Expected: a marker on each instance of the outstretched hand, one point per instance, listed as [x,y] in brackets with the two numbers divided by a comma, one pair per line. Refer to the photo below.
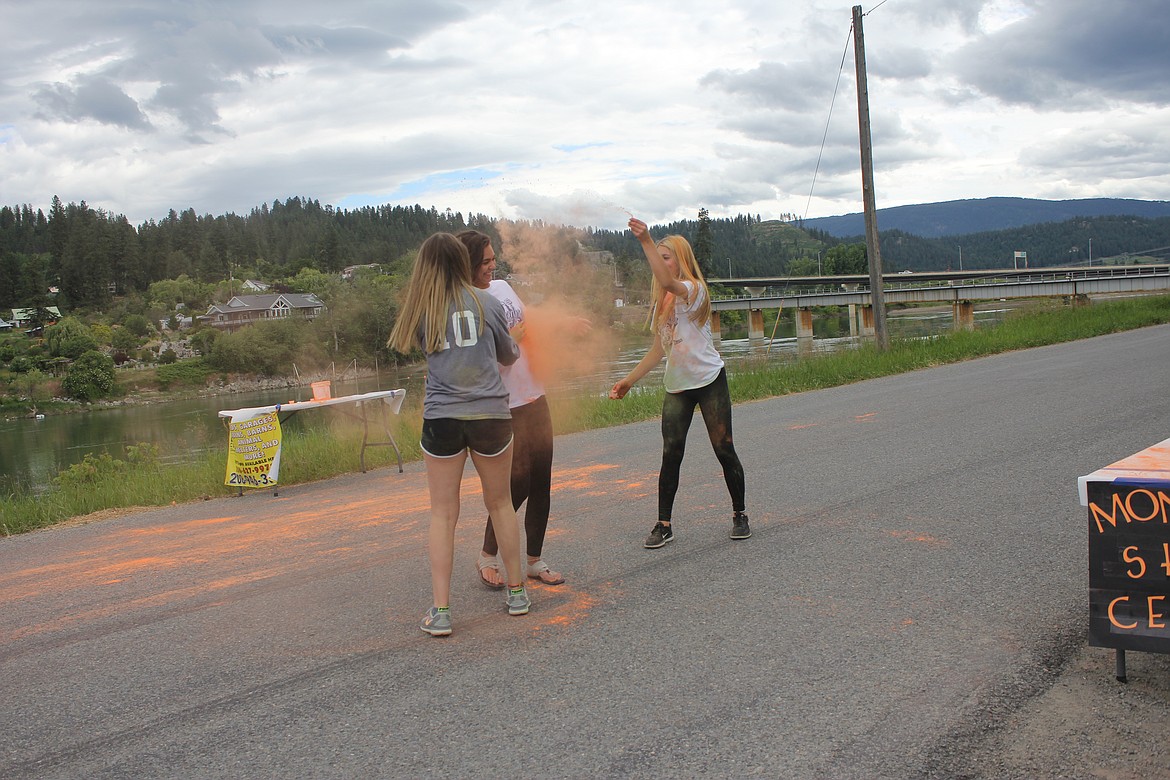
[619,390]
[638,228]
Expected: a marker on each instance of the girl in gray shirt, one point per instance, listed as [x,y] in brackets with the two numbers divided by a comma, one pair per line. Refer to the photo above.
[464,335]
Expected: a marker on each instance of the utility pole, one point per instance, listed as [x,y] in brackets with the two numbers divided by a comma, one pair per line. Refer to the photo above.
[872,245]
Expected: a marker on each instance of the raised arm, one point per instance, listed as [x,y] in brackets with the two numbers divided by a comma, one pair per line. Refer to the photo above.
[666,279]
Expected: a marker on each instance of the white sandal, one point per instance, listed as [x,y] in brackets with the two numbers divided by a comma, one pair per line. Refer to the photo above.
[539,570]
[483,562]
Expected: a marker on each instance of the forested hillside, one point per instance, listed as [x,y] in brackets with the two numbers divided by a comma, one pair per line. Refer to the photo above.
[1116,240]
[126,293]
[981,215]
[743,246]
[91,257]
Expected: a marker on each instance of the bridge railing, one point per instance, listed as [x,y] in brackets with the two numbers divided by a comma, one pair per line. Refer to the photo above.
[893,282]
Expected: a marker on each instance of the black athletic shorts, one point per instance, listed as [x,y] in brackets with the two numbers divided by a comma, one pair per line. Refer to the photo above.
[448,437]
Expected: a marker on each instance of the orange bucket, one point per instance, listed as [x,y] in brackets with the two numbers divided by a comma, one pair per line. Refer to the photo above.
[321,390]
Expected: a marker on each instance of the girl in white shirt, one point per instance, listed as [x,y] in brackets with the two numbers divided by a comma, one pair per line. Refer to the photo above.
[695,376]
[532,427]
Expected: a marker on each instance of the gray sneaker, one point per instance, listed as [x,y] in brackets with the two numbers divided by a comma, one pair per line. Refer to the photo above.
[739,526]
[659,537]
[437,623]
[518,601]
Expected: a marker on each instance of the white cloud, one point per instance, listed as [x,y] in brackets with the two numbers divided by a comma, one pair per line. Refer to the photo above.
[571,111]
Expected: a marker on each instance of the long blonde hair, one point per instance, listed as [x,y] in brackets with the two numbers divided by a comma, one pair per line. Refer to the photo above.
[688,271]
[441,274]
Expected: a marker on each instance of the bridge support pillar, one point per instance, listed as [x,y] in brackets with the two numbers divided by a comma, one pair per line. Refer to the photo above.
[755,324]
[715,332]
[804,325]
[853,320]
[804,331]
[964,313]
[865,322]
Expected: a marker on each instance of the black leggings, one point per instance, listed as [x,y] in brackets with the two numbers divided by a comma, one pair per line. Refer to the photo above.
[714,401]
[532,454]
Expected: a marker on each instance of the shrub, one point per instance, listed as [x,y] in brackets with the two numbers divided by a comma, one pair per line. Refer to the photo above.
[266,348]
[69,338]
[192,372]
[90,377]
[203,340]
[137,324]
[102,332]
[90,470]
[124,340]
[142,454]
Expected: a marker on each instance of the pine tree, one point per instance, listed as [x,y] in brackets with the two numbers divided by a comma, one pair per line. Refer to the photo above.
[704,244]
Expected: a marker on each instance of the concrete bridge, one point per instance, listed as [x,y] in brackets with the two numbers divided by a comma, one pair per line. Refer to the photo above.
[961,289]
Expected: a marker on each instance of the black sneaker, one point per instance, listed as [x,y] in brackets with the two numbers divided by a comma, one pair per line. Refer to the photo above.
[739,526]
[659,536]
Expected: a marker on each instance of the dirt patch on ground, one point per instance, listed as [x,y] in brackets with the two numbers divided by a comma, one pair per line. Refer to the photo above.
[1085,725]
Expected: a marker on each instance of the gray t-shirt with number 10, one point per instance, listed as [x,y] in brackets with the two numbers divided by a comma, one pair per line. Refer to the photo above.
[463,378]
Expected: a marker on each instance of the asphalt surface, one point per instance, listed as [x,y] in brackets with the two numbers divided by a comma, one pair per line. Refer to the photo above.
[913,599]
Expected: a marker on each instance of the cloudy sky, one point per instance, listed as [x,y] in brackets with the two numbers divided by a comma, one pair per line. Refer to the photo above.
[572,111]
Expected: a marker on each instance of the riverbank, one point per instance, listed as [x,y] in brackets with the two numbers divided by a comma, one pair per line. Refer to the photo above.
[140,393]
[142,385]
[103,483]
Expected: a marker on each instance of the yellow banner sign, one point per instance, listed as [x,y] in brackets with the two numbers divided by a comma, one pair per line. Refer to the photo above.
[254,451]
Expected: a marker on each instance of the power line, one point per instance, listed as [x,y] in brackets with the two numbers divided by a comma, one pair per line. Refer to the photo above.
[832,102]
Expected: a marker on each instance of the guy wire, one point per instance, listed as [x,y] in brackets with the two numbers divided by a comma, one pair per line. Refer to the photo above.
[832,102]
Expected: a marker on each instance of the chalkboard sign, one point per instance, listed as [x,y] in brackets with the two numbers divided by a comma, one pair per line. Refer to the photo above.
[1129,559]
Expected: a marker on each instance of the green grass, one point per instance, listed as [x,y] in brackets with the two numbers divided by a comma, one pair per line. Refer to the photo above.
[108,483]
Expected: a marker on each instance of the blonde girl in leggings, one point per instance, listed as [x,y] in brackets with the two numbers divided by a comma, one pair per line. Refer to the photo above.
[695,376]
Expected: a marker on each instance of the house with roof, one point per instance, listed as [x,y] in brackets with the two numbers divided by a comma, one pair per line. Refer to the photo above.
[253,286]
[244,310]
[4,325]
[24,317]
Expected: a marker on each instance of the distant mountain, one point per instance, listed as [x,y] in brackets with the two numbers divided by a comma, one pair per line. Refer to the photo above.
[961,217]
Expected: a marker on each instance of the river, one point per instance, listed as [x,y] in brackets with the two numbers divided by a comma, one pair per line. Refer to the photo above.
[34,451]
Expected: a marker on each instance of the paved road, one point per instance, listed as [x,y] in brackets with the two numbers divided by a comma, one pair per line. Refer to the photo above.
[916,581]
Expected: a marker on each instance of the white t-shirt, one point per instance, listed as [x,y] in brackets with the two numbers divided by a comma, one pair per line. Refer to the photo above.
[691,358]
[523,387]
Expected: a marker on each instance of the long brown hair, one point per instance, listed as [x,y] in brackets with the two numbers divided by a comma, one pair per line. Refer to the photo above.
[688,271]
[441,274]
[475,242]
